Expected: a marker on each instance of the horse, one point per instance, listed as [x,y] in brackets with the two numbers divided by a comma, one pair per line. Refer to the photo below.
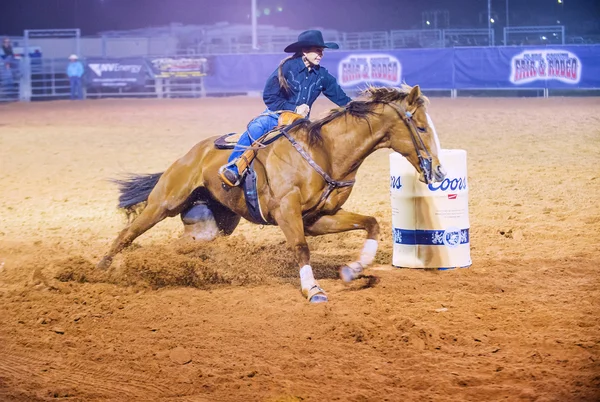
[302,180]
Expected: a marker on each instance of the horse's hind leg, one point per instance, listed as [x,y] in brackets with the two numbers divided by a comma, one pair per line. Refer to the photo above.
[206,219]
[344,221]
[150,216]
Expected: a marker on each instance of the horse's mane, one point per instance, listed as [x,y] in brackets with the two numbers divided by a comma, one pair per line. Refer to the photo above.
[360,109]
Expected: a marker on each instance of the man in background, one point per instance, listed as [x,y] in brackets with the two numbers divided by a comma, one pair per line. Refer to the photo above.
[75,72]
[7,87]
[7,50]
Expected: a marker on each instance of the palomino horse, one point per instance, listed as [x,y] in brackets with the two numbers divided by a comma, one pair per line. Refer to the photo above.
[302,180]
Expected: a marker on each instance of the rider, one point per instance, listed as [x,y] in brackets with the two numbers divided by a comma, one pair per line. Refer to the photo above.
[293,86]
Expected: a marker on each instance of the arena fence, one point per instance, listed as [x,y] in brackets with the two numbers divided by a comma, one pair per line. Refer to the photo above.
[456,71]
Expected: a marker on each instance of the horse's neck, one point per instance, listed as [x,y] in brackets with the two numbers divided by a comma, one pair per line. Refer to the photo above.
[349,141]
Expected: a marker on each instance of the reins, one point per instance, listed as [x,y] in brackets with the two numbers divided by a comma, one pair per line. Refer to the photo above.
[331,183]
[424,161]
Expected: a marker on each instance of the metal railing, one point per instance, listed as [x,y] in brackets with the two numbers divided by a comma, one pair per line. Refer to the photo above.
[238,40]
[539,35]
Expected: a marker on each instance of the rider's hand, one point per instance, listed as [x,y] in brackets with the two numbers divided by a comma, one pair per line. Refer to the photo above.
[303,109]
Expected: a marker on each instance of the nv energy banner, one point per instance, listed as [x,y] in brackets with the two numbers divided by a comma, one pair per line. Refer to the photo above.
[121,73]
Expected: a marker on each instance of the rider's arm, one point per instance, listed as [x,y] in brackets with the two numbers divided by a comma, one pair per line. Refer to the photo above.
[333,91]
[274,97]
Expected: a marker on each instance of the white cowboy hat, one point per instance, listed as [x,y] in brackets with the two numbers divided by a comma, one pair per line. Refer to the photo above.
[73,57]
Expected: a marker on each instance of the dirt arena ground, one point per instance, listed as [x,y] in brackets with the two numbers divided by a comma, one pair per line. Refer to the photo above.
[180,321]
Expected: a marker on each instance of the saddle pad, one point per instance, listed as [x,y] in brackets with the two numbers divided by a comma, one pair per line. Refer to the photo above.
[228,141]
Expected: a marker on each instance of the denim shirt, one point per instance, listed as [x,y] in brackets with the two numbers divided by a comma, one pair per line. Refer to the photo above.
[305,87]
[75,69]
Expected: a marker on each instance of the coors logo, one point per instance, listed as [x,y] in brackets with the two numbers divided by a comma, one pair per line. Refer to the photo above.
[356,69]
[533,65]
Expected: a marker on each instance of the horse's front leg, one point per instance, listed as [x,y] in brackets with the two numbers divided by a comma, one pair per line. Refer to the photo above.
[344,221]
[289,218]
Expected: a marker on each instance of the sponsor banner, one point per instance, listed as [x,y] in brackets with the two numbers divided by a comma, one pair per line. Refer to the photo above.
[543,64]
[505,67]
[178,67]
[121,73]
[528,67]
[369,68]
[430,68]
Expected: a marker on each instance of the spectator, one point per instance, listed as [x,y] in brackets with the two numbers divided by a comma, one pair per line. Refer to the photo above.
[75,72]
[7,88]
[7,50]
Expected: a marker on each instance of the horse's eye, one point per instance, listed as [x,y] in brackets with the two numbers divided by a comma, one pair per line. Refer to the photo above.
[422,129]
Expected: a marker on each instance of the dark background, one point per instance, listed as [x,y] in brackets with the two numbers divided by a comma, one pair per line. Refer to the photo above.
[93,16]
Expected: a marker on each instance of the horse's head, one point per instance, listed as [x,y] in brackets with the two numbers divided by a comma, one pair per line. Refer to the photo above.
[413,134]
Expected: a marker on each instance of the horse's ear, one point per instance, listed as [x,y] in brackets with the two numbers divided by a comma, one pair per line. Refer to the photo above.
[414,95]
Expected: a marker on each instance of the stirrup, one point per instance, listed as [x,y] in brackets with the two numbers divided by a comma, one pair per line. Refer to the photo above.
[223,170]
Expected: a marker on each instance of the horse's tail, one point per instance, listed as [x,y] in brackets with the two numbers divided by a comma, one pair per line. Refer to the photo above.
[135,190]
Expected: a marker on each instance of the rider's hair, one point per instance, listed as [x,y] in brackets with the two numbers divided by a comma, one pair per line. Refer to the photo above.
[283,84]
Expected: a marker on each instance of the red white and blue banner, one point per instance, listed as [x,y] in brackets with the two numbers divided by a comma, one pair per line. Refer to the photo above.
[178,67]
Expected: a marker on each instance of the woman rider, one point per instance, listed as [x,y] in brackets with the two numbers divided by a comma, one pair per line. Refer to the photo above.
[293,86]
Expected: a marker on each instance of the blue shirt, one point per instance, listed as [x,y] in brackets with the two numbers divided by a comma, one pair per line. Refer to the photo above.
[305,87]
[75,69]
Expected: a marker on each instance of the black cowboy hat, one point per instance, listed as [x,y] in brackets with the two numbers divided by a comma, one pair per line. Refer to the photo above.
[309,39]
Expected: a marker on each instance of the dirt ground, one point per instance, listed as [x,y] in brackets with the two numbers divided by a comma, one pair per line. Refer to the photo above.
[225,321]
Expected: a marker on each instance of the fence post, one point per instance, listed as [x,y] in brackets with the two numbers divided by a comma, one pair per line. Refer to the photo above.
[158,87]
[25,78]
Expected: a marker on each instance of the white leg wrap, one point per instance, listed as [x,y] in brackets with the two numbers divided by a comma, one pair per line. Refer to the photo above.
[368,252]
[307,279]
[351,271]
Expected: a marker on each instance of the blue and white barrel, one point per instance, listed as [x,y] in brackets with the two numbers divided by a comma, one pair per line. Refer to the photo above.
[430,222]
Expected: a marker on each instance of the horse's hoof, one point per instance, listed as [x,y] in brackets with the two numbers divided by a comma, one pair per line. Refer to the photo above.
[319,298]
[104,263]
[346,274]
[349,273]
[316,295]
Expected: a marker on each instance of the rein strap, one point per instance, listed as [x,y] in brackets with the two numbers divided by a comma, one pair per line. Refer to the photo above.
[331,184]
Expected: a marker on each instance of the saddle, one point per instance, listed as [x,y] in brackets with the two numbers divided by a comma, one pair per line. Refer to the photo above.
[245,161]
[228,141]
[286,118]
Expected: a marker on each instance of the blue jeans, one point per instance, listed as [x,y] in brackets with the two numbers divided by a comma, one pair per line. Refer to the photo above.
[76,90]
[257,127]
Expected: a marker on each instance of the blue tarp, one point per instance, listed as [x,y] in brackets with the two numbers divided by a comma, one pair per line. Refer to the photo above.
[454,68]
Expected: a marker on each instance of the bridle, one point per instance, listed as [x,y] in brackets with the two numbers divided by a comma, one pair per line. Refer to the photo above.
[425,162]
